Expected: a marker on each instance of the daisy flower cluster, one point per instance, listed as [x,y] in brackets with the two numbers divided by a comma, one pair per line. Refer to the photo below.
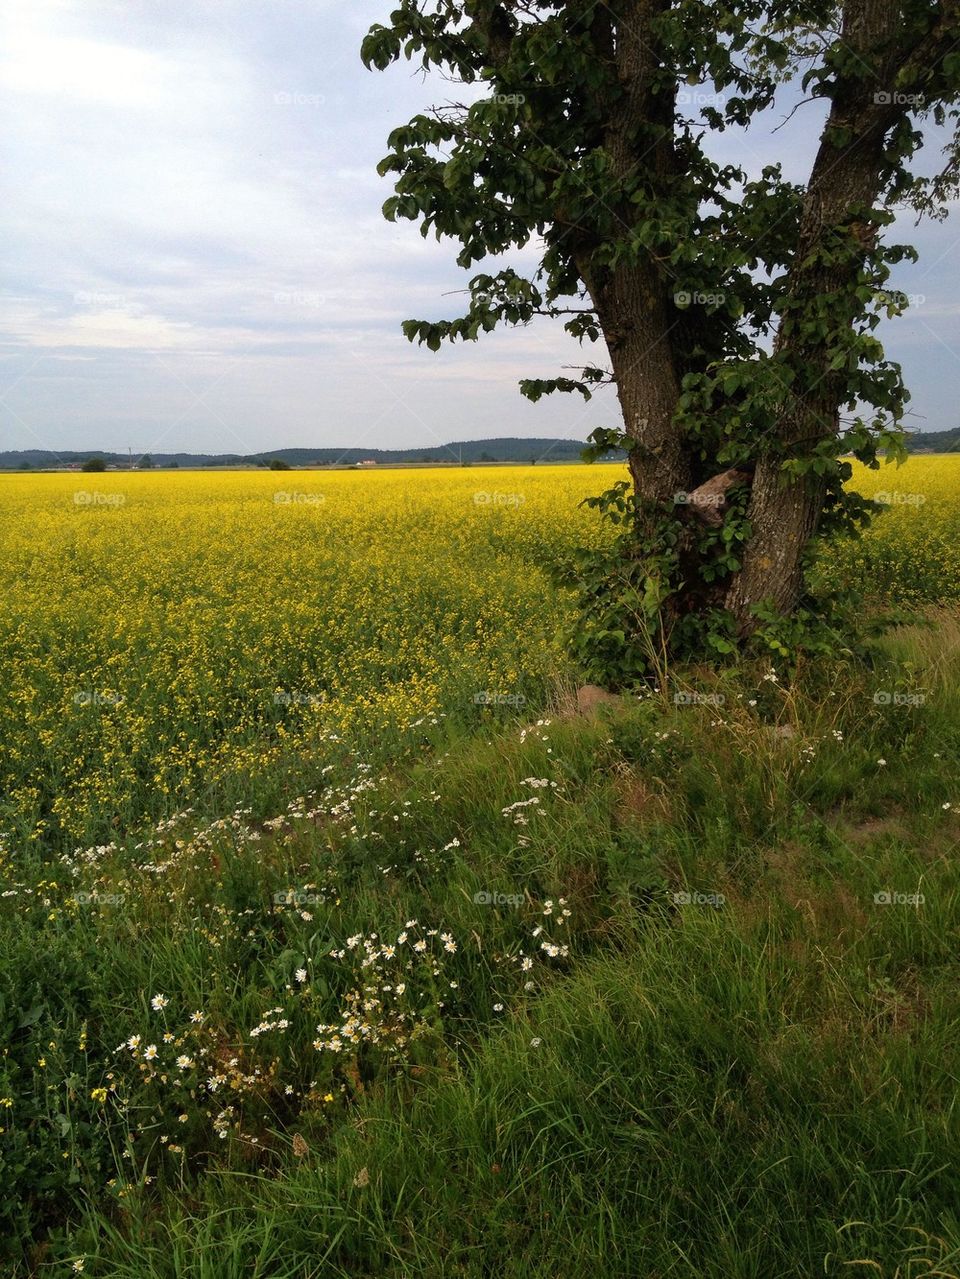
[398,992]
[542,945]
[521,810]
[166,1077]
[536,731]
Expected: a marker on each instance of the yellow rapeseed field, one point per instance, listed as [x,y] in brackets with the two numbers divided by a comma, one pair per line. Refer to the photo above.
[166,630]
[163,632]
[911,555]
[262,865]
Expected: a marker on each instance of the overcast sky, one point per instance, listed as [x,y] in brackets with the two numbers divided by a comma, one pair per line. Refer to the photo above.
[195,257]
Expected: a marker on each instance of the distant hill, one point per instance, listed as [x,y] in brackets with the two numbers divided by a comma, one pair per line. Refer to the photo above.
[508,449]
[511,449]
[935,441]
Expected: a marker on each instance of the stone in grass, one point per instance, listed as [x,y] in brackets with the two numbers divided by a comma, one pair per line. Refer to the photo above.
[781,732]
[591,697]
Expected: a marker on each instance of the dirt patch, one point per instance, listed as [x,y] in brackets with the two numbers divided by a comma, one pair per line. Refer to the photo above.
[870,830]
[641,802]
[588,700]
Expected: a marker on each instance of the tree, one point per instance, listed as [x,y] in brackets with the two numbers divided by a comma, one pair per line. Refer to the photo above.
[278,464]
[146,463]
[737,309]
[94,464]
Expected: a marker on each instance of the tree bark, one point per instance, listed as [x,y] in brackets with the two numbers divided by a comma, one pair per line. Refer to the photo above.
[647,383]
[785,513]
[645,333]
[633,301]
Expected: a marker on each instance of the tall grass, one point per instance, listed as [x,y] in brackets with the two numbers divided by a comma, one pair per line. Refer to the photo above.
[740,1061]
[399,983]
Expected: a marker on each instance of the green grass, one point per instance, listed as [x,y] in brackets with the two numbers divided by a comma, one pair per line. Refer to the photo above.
[744,1065]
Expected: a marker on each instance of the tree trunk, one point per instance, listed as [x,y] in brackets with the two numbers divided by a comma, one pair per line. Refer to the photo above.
[633,301]
[647,384]
[844,182]
[643,330]
[784,520]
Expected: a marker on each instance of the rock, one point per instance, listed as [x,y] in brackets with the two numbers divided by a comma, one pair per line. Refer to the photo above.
[782,731]
[709,502]
[591,697]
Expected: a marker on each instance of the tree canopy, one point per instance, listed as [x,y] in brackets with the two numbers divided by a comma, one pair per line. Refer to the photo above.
[737,310]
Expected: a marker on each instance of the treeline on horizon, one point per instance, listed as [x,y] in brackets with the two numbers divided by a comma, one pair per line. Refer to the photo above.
[497,450]
[509,449]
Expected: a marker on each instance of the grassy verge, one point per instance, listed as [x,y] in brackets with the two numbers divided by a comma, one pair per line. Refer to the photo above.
[672,991]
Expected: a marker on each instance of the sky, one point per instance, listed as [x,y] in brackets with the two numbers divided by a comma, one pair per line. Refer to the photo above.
[194,257]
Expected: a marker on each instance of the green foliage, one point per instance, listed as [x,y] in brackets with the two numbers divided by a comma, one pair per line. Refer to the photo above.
[621,588]
[625,632]
[581,143]
[737,1006]
[624,585]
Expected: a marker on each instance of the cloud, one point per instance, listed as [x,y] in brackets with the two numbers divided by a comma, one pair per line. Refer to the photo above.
[196,201]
